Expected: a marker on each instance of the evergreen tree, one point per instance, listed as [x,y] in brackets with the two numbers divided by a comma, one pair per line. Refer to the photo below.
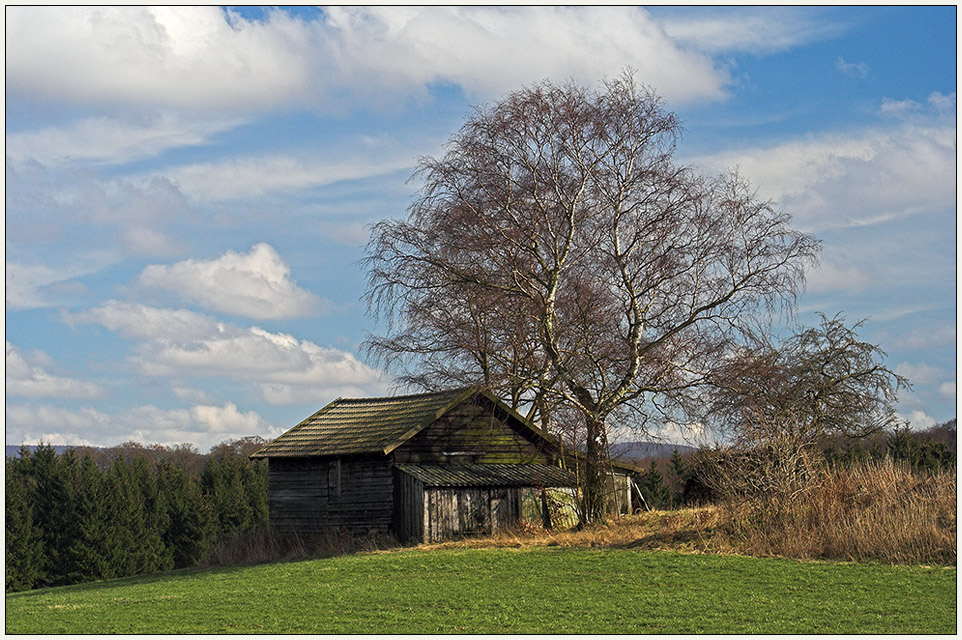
[190,524]
[681,473]
[24,542]
[53,481]
[154,555]
[89,555]
[652,485]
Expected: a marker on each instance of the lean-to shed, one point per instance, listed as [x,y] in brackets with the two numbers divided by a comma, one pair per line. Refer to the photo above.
[425,467]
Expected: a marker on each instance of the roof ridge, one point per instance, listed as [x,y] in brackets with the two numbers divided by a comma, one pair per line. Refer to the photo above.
[408,396]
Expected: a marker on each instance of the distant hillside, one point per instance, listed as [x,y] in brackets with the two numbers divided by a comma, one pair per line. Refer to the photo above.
[13,450]
[640,450]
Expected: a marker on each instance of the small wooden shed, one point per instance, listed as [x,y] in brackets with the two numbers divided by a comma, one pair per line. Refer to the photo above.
[425,467]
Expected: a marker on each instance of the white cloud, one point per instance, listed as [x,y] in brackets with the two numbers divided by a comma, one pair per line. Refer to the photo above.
[180,344]
[203,58]
[253,176]
[947,390]
[936,335]
[918,419]
[858,178]
[36,286]
[183,57]
[27,376]
[920,373]
[758,30]
[110,139]
[852,69]
[256,284]
[490,50]
[201,425]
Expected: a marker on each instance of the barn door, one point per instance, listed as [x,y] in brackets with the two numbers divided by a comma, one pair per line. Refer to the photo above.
[500,513]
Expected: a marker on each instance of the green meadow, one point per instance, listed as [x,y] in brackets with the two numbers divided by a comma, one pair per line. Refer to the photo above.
[535,590]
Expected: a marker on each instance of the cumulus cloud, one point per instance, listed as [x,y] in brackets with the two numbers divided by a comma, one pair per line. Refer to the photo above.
[918,419]
[256,284]
[27,376]
[201,425]
[857,178]
[490,50]
[177,344]
[203,58]
[184,57]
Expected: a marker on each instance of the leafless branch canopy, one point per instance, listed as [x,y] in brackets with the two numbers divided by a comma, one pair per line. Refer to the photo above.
[557,251]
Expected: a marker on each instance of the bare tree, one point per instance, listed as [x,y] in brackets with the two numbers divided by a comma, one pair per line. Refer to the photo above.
[622,274]
[822,381]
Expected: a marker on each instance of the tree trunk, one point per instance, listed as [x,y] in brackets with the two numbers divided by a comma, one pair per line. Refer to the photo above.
[593,483]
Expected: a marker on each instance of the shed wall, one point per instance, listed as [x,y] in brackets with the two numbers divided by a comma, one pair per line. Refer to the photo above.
[470,433]
[310,495]
[452,512]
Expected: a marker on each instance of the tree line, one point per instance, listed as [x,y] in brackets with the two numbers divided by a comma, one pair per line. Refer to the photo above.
[683,479]
[89,514]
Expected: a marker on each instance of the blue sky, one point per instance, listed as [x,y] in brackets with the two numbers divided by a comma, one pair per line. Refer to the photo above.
[188,189]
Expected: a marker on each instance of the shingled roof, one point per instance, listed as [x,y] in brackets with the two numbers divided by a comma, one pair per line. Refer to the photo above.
[371,425]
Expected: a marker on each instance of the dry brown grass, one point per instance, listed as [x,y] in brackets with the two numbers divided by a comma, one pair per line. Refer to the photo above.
[879,511]
[872,512]
[260,546]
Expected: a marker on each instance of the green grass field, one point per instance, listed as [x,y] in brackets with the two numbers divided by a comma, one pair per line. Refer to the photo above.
[538,590]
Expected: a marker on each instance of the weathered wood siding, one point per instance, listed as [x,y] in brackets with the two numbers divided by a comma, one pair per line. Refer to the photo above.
[470,433]
[409,509]
[452,512]
[309,495]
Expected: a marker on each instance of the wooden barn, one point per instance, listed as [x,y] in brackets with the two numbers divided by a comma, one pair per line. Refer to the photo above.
[424,467]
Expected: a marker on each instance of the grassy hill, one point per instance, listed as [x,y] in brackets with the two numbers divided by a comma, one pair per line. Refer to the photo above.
[530,590]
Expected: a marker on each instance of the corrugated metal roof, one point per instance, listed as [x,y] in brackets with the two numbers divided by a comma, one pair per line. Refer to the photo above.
[489,475]
[363,425]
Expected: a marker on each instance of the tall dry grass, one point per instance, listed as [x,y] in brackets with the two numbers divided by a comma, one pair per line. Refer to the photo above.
[259,546]
[879,510]
[874,511]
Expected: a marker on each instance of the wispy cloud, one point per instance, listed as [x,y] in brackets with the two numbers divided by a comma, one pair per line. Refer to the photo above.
[113,139]
[742,29]
[852,69]
[253,176]
[256,284]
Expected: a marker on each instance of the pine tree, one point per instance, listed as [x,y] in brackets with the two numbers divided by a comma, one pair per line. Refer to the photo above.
[652,485]
[153,553]
[88,557]
[190,525]
[53,482]
[681,473]
[24,542]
